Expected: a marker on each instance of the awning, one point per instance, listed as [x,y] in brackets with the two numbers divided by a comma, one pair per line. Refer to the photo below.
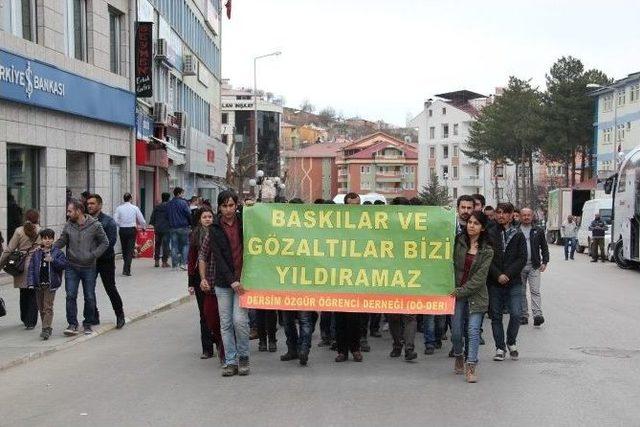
[177,156]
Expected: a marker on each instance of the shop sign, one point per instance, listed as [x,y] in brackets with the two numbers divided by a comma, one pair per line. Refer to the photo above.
[144,59]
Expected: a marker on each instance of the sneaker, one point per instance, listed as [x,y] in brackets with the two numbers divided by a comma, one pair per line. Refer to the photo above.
[304,358]
[357,356]
[87,330]
[396,352]
[341,357]
[364,346]
[229,370]
[262,345]
[513,352]
[273,347]
[470,373]
[71,330]
[46,333]
[429,350]
[538,320]
[289,355]
[409,355]
[458,365]
[243,367]
[499,357]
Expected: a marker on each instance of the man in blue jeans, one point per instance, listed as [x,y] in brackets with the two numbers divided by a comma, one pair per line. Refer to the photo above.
[225,243]
[298,343]
[86,241]
[179,222]
[505,280]
[570,235]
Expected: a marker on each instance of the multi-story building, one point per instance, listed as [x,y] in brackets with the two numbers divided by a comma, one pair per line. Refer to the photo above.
[66,105]
[179,125]
[378,163]
[238,132]
[617,125]
[443,130]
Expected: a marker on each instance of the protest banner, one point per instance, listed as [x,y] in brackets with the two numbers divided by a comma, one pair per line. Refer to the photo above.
[371,259]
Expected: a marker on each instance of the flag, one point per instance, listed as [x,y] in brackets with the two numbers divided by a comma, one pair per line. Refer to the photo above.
[227,5]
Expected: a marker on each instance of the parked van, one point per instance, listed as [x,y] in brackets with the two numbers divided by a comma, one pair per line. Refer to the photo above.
[589,210]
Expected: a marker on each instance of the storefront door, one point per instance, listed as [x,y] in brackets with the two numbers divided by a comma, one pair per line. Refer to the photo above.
[22,184]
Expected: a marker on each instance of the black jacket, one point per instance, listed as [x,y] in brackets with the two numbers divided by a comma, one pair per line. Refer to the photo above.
[111,230]
[221,253]
[539,247]
[510,260]
[160,218]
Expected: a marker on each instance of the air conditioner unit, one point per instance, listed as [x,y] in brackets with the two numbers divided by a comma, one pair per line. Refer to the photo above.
[190,66]
[181,119]
[161,49]
[160,113]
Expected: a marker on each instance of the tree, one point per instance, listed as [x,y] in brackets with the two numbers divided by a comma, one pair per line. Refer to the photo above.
[327,115]
[434,194]
[307,106]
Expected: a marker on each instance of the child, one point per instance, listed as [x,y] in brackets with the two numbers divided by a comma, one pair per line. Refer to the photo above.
[45,275]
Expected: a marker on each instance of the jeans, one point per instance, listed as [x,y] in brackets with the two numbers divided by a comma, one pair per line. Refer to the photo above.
[501,297]
[179,246]
[403,330]
[299,342]
[72,278]
[473,322]
[128,242]
[570,243]
[163,241]
[28,307]
[234,325]
[433,329]
[106,268]
[531,276]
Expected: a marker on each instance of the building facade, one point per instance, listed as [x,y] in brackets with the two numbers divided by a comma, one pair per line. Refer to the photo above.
[617,124]
[66,106]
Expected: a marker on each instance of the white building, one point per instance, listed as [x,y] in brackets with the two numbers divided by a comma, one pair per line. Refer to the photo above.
[443,130]
[617,127]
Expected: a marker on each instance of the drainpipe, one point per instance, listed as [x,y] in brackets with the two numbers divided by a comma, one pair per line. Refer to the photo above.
[133,18]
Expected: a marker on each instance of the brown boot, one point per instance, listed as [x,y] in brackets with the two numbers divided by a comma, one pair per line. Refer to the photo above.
[165,264]
[458,366]
[470,373]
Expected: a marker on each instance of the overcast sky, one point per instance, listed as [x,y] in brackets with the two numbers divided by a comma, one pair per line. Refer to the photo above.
[380,59]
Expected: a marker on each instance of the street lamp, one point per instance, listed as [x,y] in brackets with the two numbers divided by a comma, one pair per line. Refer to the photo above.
[255,99]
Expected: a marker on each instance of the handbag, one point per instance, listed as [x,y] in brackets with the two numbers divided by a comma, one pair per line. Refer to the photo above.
[3,308]
[15,263]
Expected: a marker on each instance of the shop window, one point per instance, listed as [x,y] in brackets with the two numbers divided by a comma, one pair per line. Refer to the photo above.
[22,185]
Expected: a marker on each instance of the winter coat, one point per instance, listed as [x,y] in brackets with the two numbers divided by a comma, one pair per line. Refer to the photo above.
[475,288]
[178,213]
[56,267]
[19,241]
[160,218]
[85,243]
[509,260]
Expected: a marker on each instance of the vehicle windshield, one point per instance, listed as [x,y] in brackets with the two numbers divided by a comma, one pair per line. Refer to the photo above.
[605,215]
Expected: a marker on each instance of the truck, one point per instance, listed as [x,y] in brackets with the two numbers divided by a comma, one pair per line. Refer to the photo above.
[562,203]
[624,187]
[589,211]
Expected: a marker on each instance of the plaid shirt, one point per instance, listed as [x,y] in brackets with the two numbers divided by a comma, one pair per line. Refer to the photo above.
[205,255]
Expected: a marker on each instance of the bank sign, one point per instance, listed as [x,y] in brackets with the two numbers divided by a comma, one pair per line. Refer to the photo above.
[32,82]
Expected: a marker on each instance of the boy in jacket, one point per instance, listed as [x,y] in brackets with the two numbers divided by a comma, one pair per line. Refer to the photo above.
[505,280]
[45,275]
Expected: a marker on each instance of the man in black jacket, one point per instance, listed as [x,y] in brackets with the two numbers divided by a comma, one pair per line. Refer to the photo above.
[160,221]
[225,243]
[505,281]
[537,260]
[598,229]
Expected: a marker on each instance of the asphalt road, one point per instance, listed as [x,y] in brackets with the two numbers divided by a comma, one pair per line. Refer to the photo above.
[581,368]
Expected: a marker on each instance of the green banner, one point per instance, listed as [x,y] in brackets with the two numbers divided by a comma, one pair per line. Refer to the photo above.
[374,258]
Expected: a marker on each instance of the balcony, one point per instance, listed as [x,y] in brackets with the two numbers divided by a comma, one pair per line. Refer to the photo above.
[388,177]
[389,190]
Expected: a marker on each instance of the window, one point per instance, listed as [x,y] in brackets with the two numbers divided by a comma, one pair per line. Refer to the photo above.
[499,193]
[432,172]
[455,172]
[445,151]
[621,97]
[444,111]
[225,118]
[445,172]
[445,131]
[432,132]
[365,185]
[455,150]
[455,129]
[620,133]
[365,169]
[77,29]
[607,102]
[634,93]
[432,152]
[172,104]
[115,22]
[606,136]
[455,192]
[19,18]
[430,113]
[499,171]
[628,130]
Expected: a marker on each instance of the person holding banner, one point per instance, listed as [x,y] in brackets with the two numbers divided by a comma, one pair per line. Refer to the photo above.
[472,257]
[225,238]
[348,324]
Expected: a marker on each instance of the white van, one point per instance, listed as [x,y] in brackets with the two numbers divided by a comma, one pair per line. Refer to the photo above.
[589,210]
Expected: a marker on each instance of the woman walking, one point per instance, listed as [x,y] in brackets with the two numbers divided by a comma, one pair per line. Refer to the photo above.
[209,318]
[25,240]
[472,257]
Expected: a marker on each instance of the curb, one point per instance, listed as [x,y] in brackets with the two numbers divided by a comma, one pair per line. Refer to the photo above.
[165,306]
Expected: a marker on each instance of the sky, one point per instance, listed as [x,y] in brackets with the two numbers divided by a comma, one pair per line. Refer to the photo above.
[381,59]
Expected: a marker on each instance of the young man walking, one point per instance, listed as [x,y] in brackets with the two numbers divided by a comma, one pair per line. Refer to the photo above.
[570,235]
[505,281]
[85,241]
[537,260]
[128,218]
[160,221]
[106,263]
[179,223]
[225,243]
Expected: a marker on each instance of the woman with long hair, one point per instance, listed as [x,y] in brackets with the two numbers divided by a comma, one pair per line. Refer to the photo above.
[472,258]
[207,303]
[26,240]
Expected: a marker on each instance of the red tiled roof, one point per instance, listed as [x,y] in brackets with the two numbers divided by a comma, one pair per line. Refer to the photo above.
[325,149]
[409,151]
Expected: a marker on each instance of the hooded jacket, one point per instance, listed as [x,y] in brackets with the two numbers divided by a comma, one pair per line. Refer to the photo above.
[85,243]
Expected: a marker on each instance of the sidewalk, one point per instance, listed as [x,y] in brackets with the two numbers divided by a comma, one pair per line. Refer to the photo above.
[148,291]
